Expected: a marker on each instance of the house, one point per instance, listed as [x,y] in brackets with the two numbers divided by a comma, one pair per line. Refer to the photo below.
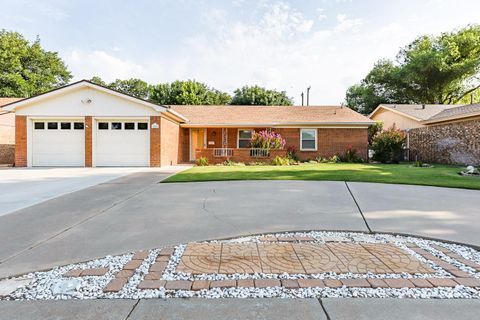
[7,132]
[84,124]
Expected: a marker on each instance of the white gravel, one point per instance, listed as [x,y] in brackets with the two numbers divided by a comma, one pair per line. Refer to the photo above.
[92,287]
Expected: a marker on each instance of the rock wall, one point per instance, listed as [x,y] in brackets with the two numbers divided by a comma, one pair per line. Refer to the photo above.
[451,143]
[7,153]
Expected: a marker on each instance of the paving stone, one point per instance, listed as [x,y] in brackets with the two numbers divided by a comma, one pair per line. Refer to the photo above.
[360,283]
[167,252]
[399,283]
[266,283]
[357,259]
[132,265]
[290,284]
[332,283]
[440,248]
[305,239]
[468,282]
[239,250]
[445,265]
[311,283]
[286,239]
[115,285]
[163,258]
[140,255]
[442,282]
[243,265]
[201,285]
[94,272]
[125,273]
[153,276]
[377,283]
[73,273]
[178,285]
[199,264]
[245,283]
[268,239]
[223,284]
[421,283]
[469,263]
[459,273]
[203,249]
[158,267]
[151,284]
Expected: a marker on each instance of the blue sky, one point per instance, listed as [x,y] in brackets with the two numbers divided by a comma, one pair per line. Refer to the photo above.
[286,45]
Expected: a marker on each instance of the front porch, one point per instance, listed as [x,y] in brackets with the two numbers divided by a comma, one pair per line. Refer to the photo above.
[245,155]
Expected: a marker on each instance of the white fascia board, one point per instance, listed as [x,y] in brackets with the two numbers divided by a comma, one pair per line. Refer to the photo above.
[283,125]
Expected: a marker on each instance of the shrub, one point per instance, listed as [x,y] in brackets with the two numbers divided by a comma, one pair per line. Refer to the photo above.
[373,130]
[387,145]
[292,153]
[202,161]
[233,163]
[267,140]
[351,156]
[257,163]
[281,161]
[334,159]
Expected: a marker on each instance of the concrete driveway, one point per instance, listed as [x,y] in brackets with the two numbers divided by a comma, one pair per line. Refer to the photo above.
[136,212]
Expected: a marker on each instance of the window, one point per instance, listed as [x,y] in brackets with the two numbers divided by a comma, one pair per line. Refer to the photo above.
[65,125]
[103,126]
[78,125]
[142,126]
[116,126]
[52,125]
[39,125]
[244,138]
[308,139]
[129,126]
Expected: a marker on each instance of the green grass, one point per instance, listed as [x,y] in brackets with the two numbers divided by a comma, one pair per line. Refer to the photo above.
[441,176]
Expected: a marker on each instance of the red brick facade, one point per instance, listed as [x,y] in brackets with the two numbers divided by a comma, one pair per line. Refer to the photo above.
[88,141]
[155,141]
[20,141]
[169,136]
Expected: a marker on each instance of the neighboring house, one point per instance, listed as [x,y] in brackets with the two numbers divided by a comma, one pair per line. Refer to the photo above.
[407,116]
[7,132]
[84,124]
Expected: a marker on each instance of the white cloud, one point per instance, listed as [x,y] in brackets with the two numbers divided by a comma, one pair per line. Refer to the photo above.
[85,64]
[344,24]
[321,14]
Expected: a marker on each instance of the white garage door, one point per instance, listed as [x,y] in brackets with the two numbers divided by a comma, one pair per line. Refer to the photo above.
[58,143]
[122,143]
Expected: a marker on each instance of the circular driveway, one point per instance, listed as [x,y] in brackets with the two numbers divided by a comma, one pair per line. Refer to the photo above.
[136,212]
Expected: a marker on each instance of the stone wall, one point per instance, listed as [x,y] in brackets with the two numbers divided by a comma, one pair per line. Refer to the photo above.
[451,143]
[7,153]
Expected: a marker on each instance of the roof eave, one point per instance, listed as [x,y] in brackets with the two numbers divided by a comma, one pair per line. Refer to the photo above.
[456,117]
[292,124]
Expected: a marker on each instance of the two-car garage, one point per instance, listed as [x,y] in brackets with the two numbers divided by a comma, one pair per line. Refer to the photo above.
[61,142]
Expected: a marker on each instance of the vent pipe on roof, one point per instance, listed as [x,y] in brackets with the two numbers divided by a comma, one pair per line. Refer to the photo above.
[308,95]
[423,106]
[302,98]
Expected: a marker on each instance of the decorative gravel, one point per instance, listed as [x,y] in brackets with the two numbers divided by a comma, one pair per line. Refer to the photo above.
[45,285]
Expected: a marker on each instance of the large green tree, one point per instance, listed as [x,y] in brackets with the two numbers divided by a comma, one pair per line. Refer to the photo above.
[26,69]
[134,87]
[434,70]
[189,92]
[255,95]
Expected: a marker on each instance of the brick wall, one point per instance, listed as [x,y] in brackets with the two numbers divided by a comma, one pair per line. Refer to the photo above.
[20,141]
[239,155]
[155,142]
[451,143]
[184,145]
[88,141]
[170,142]
[7,153]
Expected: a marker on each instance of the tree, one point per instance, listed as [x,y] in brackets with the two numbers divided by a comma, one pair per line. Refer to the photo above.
[134,87]
[188,92]
[431,70]
[255,95]
[27,69]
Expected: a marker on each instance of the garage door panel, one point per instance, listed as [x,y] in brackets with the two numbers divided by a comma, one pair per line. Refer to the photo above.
[122,147]
[58,147]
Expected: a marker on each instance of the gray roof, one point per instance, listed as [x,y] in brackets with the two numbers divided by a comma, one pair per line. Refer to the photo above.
[461,111]
[420,112]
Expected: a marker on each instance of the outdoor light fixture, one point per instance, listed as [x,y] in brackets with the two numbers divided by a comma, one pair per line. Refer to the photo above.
[155,125]
[87,101]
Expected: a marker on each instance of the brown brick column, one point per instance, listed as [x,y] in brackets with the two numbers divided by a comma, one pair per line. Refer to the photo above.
[88,141]
[20,141]
[155,143]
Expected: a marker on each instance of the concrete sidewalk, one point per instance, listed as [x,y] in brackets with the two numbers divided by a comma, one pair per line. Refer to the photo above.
[233,309]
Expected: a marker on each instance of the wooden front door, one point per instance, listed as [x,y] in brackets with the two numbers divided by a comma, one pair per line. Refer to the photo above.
[197,141]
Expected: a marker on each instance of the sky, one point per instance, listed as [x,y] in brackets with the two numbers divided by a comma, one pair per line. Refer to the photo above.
[283,45]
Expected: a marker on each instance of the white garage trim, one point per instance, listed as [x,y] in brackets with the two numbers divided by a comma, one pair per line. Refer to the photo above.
[140,142]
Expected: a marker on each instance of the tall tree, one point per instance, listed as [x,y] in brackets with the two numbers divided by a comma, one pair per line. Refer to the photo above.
[256,95]
[188,92]
[134,87]
[26,69]
[432,70]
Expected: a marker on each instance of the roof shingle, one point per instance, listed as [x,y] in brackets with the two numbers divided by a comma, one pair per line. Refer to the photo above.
[462,111]
[421,112]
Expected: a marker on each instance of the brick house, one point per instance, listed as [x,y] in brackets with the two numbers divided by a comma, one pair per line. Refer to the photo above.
[84,124]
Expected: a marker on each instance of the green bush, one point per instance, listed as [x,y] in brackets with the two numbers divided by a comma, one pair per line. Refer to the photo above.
[281,161]
[351,156]
[335,159]
[373,130]
[388,145]
[202,161]
[233,163]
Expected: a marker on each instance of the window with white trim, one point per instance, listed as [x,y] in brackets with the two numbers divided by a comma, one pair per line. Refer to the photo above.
[308,139]
[244,138]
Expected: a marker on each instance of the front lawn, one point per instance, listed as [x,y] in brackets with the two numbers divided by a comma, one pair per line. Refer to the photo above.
[441,176]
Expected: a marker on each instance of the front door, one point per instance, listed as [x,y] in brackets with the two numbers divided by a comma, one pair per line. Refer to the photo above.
[197,141]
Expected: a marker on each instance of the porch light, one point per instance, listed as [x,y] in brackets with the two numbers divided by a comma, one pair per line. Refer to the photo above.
[155,125]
